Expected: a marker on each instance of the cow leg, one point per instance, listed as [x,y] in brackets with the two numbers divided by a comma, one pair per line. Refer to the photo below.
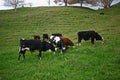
[56,49]
[21,53]
[63,50]
[24,56]
[19,56]
[92,40]
[62,46]
[79,41]
[40,55]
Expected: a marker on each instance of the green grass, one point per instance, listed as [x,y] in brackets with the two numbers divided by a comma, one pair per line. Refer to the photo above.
[85,62]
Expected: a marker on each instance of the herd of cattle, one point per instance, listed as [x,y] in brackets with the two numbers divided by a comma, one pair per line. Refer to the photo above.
[54,42]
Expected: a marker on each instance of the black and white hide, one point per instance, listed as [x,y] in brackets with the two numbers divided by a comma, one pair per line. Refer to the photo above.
[58,43]
[33,45]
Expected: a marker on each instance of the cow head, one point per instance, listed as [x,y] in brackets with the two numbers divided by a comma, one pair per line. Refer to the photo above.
[52,47]
[36,37]
[99,38]
[47,46]
[45,36]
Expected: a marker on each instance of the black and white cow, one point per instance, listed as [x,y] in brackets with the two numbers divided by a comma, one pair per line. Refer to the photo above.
[34,45]
[86,35]
[46,37]
[58,43]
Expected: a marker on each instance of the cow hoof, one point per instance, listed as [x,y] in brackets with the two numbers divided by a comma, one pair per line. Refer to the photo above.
[40,58]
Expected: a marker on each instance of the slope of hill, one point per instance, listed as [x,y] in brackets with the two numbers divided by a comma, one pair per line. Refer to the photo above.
[85,62]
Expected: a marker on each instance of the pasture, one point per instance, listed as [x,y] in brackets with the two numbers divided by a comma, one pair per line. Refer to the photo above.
[85,62]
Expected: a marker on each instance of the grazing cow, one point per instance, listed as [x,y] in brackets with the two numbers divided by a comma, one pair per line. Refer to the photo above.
[45,36]
[86,35]
[58,42]
[67,41]
[34,45]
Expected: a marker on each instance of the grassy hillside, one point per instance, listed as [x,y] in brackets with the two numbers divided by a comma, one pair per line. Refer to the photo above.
[86,62]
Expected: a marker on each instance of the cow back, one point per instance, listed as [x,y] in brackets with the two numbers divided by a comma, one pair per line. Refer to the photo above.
[32,44]
[67,41]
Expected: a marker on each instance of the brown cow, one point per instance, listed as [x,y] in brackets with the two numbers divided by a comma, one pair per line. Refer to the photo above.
[67,41]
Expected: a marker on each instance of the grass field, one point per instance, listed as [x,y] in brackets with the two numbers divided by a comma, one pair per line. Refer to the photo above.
[85,62]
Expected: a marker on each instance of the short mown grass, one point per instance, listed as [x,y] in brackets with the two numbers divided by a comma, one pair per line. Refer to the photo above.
[85,62]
